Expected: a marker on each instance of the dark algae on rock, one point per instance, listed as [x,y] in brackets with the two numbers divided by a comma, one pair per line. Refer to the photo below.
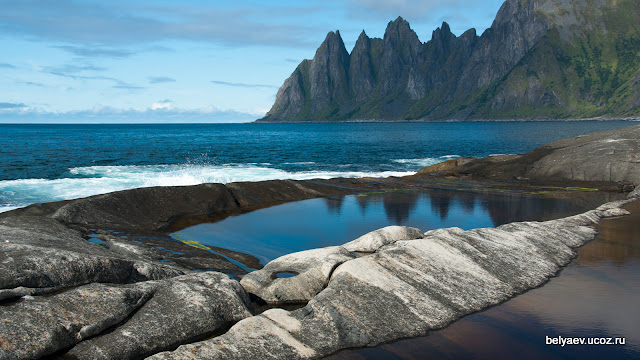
[540,59]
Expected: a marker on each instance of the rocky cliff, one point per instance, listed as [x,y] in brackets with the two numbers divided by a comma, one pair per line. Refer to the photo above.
[539,59]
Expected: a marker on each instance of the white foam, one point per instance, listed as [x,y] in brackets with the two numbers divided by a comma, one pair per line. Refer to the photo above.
[423,162]
[93,180]
[8,208]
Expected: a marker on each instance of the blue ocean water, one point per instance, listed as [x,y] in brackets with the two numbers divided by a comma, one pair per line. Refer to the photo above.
[40,163]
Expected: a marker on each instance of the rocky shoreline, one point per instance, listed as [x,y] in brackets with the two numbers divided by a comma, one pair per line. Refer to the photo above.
[62,295]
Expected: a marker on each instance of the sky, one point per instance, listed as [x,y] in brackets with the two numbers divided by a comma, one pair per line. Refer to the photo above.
[139,61]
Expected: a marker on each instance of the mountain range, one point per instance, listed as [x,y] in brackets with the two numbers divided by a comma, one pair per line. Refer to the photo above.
[540,59]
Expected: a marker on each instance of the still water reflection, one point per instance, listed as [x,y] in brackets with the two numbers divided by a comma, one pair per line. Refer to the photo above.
[276,231]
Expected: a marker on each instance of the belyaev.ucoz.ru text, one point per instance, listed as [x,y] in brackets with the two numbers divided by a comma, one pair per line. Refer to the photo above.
[562,341]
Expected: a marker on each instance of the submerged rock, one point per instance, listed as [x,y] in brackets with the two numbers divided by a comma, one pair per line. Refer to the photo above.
[407,288]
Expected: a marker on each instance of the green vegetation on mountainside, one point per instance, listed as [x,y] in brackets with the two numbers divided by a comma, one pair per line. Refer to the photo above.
[587,76]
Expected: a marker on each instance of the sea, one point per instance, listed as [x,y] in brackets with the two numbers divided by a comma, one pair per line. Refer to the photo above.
[50,162]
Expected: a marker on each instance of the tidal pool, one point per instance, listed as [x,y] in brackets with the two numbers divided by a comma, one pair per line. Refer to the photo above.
[283,229]
[595,296]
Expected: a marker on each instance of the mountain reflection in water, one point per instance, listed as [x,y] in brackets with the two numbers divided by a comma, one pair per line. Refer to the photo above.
[279,230]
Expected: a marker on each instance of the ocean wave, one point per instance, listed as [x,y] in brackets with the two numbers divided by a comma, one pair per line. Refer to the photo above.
[4,208]
[422,162]
[94,180]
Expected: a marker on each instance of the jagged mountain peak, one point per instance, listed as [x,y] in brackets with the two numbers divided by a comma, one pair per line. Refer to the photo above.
[362,44]
[445,27]
[442,32]
[398,22]
[331,45]
[471,33]
[399,29]
[558,58]
[363,36]
[333,36]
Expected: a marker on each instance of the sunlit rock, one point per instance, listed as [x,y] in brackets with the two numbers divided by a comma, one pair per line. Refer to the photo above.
[307,274]
[376,239]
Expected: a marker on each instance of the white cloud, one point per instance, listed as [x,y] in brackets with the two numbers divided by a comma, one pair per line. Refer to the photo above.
[162,105]
[161,111]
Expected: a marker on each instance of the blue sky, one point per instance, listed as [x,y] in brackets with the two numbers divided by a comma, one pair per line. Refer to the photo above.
[183,61]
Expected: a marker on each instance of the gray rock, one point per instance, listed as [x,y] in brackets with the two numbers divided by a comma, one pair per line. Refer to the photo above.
[182,309]
[446,166]
[376,239]
[39,326]
[611,157]
[155,316]
[47,256]
[635,193]
[147,208]
[312,269]
[328,72]
[407,288]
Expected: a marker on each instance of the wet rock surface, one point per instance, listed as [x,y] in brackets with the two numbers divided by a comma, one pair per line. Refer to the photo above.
[156,209]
